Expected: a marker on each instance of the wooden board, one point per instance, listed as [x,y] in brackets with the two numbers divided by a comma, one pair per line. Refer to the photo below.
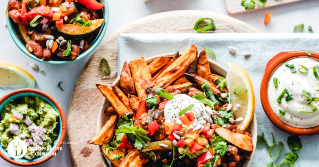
[86,99]
[234,6]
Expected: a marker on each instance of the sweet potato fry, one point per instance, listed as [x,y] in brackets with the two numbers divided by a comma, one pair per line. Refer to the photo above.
[203,69]
[110,111]
[180,80]
[166,65]
[135,159]
[126,81]
[122,97]
[109,154]
[107,92]
[175,70]
[106,133]
[141,75]
[183,85]
[199,81]
[157,64]
[134,101]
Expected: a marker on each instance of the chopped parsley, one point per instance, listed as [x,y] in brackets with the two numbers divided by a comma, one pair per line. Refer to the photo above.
[151,100]
[248,4]
[218,144]
[221,83]
[223,120]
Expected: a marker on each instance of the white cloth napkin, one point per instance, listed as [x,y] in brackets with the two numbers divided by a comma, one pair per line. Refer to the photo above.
[262,48]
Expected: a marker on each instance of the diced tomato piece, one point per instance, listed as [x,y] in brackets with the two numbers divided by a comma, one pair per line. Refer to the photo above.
[171,137]
[181,143]
[24,11]
[210,133]
[176,127]
[59,23]
[40,10]
[185,120]
[190,116]
[124,140]
[202,159]
[91,4]
[195,148]
[152,127]
[141,109]
[125,144]
[122,145]
[205,129]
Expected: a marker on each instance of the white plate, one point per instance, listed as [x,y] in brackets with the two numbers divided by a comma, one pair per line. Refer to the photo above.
[216,69]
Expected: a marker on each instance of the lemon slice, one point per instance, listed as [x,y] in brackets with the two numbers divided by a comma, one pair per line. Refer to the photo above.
[237,77]
[12,76]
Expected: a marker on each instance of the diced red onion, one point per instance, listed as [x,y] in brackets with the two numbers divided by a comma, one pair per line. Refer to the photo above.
[55,9]
[44,20]
[40,129]
[33,128]
[28,121]
[36,138]
[16,114]
[14,129]
[28,142]
[81,46]
[66,4]
[45,26]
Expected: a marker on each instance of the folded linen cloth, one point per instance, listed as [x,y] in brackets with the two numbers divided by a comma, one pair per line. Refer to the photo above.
[262,48]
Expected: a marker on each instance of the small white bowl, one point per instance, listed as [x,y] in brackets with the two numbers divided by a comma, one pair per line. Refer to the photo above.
[216,69]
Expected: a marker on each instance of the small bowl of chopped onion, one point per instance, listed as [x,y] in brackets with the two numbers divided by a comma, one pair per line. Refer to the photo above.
[32,127]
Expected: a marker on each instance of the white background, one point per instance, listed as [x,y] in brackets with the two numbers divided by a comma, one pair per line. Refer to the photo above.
[123,12]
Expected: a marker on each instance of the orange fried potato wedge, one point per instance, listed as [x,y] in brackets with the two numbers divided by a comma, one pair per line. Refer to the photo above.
[175,70]
[107,92]
[109,154]
[110,111]
[126,80]
[165,66]
[141,75]
[199,81]
[122,97]
[134,101]
[183,85]
[242,141]
[135,159]
[180,80]
[157,64]
[203,68]
[106,133]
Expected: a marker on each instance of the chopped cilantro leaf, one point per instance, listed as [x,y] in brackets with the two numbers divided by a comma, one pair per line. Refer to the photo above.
[248,4]
[117,157]
[151,100]
[294,143]
[221,83]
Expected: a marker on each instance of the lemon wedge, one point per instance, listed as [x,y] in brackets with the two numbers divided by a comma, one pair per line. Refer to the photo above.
[12,76]
[237,77]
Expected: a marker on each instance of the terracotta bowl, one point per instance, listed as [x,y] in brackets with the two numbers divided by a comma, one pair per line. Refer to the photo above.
[61,125]
[272,65]
[215,68]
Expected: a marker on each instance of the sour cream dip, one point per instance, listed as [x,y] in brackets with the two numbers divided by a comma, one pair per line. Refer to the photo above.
[295,83]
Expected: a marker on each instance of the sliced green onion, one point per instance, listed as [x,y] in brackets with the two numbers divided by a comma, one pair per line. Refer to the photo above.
[239,91]
[292,67]
[34,22]
[289,97]
[67,52]
[275,80]
[310,29]
[314,109]
[299,28]
[306,94]
[209,92]
[282,112]
[315,69]
[300,67]
[282,95]
[105,66]
[210,51]
[33,3]
[315,99]
[308,53]
[186,109]
[211,26]
[163,93]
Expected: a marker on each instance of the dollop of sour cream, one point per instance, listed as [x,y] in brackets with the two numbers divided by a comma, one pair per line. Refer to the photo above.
[295,83]
[178,103]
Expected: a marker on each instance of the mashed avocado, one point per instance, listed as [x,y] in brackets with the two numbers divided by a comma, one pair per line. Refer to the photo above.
[32,120]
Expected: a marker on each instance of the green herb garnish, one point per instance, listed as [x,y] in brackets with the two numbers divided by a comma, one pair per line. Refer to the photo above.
[209,92]
[220,146]
[292,67]
[117,157]
[186,109]
[163,93]
[172,159]
[308,53]
[240,91]
[315,69]
[248,4]
[261,3]
[80,21]
[151,100]
[201,98]
[223,120]
[104,64]
[152,155]
[309,101]
[67,52]
[261,138]
[288,98]
[275,80]
[59,85]
[211,26]
[35,21]
[282,112]
[33,3]
[221,83]
[302,69]
[310,29]
[299,28]
[210,51]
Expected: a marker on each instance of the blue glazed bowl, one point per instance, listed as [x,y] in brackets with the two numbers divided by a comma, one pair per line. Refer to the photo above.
[61,127]
[89,52]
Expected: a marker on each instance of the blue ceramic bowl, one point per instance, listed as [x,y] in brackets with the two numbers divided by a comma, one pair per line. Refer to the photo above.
[89,52]
[61,127]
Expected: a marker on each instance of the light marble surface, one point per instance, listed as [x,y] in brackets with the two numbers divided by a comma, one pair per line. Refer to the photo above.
[123,12]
